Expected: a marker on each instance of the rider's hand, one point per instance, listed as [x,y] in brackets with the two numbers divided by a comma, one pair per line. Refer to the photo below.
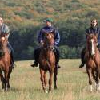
[42,43]
[3,38]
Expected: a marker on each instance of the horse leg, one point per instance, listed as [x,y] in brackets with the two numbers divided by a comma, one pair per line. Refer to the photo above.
[45,80]
[97,80]
[55,77]
[90,78]
[42,79]
[94,75]
[8,83]
[50,80]
[6,80]
[3,82]
[2,79]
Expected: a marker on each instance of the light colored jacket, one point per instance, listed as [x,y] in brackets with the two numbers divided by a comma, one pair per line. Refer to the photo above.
[5,29]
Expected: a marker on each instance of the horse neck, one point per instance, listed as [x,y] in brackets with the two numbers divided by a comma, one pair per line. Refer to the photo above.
[88,53]
[5,48]
[47,51]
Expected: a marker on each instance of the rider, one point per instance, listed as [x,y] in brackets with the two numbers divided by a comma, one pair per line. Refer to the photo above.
[4,29]
[48,28]
[93,29]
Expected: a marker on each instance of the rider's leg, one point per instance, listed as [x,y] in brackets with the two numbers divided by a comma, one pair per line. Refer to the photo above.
[11,54]
[98,47]
[36,57]
[56,52]
[82,57]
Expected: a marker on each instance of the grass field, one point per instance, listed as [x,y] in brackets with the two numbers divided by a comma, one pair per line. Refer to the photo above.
[72,83]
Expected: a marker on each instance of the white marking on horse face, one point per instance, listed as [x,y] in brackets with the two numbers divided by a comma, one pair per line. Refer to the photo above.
[92,51]
[50,35]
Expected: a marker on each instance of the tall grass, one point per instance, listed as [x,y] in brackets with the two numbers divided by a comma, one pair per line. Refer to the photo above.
[72,83]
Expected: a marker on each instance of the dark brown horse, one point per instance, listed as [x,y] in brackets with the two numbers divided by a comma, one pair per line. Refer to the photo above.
[92,57]
[47,61]
[5,65]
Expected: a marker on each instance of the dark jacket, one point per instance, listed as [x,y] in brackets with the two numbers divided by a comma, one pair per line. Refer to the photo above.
[49,29]
[95,30]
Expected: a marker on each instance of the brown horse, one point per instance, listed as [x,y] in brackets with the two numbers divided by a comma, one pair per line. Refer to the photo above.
[92,57]
[47,61]
[5,65]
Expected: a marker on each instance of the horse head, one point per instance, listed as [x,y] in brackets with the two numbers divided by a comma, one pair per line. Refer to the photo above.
[92,43]
[3,44]
[49,40]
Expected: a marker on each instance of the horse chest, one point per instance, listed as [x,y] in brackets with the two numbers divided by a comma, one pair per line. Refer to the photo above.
[91,63]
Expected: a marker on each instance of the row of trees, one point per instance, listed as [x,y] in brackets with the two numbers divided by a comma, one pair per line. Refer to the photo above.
[24,39]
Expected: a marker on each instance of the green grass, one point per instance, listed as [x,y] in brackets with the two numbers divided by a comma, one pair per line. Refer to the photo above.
[72,83]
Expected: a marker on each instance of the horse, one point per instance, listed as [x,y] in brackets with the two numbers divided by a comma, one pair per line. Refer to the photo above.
[47,61]
[92,58]
[5,62]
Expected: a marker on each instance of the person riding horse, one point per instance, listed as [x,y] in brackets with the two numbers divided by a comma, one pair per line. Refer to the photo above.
[95,30]
[48,29]
[4,29]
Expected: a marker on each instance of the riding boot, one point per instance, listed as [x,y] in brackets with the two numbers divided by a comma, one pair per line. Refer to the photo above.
[36,57]
[98,47]
[12,60]
[56,52]
[35,64]
[82,58]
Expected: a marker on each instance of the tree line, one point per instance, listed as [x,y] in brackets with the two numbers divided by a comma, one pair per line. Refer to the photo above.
[23,39]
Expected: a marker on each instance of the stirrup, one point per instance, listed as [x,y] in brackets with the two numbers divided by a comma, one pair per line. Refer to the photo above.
[81,66]
[34,65]
[58,66]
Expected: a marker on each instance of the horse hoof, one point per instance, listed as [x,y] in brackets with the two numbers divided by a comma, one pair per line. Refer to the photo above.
[50,91]
[55,87]
[98,89]
[46,91]
[8,89]
[3,90]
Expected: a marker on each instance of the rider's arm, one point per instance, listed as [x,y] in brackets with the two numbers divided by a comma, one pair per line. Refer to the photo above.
[99,36]
[87,32]
[57,37]
[40,38]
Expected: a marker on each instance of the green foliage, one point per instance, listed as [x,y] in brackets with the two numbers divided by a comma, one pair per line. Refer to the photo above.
[72,32]
[71,17]
[72,83]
